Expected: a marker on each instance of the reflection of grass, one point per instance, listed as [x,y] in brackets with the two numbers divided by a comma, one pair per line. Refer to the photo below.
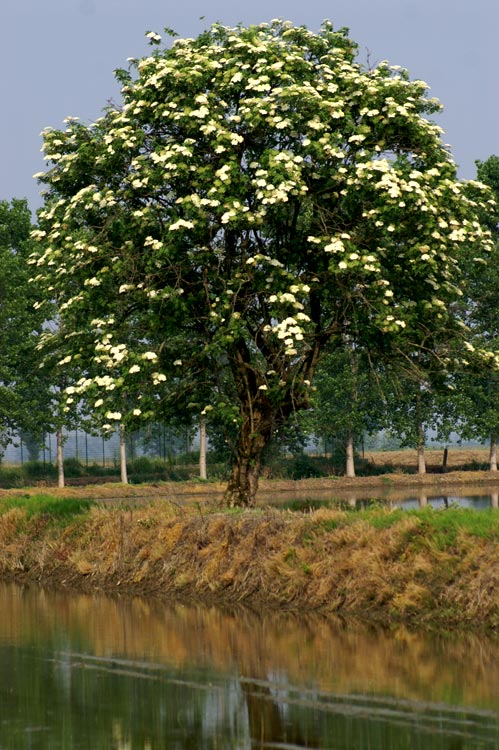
[308,504]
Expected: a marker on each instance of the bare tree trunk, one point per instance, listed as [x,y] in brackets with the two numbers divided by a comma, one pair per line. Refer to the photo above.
[350,455]
[202,449]
[60,458]
[493,454]
[444,460]
[421,455]
[123,471]
[421,460]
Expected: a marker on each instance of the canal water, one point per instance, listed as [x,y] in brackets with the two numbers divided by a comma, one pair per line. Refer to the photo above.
[478,497]
[90,672]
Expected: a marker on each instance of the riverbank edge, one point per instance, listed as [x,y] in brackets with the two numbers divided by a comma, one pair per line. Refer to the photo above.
[268,488]
[431,569]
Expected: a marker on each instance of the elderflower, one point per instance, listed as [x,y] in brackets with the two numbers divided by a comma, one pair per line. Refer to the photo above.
[153,37]
[116,415]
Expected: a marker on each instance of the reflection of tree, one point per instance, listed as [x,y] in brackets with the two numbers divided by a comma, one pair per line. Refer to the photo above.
[267,724]
[265,720]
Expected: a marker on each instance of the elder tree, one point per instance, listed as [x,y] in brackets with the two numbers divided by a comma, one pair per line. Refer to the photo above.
[256,196]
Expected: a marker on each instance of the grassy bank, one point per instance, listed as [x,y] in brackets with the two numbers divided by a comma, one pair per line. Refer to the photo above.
[430,568]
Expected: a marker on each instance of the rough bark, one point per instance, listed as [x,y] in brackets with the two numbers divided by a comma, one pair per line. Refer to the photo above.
[254,435]
[243,483]
[261,413]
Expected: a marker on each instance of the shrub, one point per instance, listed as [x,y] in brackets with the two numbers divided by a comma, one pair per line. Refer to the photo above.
[72,467]
[305,467]
[38,470]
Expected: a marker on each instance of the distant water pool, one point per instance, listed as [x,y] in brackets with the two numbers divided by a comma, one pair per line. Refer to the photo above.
[477,498]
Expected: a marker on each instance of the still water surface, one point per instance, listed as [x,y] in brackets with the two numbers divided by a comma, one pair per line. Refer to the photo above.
[475,497]
[90,672]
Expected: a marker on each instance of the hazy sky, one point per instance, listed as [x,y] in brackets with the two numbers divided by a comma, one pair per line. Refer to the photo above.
[58,56]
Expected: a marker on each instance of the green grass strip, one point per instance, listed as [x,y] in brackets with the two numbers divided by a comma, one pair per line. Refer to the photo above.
[46,505]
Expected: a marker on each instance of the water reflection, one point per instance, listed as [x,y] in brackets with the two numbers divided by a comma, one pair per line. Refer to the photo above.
[81,671]
[477,498]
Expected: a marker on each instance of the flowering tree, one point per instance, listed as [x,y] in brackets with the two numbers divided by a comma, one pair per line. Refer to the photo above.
[256,191]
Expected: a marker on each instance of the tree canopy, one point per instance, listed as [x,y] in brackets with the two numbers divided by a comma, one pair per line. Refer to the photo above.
[257,195]
[20,324]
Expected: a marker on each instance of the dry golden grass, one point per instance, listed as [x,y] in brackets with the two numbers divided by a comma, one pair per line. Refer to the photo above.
[457,458]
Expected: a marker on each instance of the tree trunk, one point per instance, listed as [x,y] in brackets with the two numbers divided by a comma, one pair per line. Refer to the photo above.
[423,500]
[260,414]
[243,483]
[60,459]
[421,460]
[254,435]
[123,471]
[350,456]
[202,449]
[444,460]
[421,456]
[493,454]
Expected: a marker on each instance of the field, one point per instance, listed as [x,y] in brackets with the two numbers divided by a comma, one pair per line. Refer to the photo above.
[457,458]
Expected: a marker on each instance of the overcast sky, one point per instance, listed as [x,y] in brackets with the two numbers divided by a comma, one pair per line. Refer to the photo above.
[58,57]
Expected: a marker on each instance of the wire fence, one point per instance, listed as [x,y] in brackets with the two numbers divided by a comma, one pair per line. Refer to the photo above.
[160,442]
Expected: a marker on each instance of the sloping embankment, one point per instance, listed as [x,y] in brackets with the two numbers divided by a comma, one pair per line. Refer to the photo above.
[432,568]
